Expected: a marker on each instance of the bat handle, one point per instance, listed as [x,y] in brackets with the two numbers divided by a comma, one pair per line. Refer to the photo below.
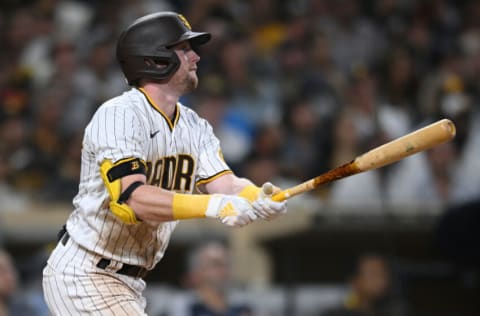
[268,190]
[281,196]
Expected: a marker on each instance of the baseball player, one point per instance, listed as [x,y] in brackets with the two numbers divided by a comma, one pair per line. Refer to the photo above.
[143,154]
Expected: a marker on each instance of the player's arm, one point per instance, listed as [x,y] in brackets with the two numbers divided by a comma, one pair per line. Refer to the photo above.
[228,183]
[260,199]
[132,200]
[150,203]
[154,204]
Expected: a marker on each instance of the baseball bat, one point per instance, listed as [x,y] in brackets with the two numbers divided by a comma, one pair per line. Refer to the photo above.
[395,150]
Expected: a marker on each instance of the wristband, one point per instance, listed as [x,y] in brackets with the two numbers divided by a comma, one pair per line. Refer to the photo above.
[187,206]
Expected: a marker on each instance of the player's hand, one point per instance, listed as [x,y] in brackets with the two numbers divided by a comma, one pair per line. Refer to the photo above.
[265,207]
[231,210]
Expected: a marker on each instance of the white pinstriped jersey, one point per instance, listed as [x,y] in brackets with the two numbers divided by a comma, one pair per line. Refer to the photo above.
[179,154]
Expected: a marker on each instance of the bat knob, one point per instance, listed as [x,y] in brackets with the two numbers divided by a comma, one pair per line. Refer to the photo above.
[267,188]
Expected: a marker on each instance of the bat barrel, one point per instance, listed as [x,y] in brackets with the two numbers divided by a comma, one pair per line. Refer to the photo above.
[419,140]
[422,139]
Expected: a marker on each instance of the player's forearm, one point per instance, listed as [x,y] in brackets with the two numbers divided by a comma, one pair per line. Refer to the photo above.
[239,185]
[231,210]
[228,184]
[231,184]
[151,203]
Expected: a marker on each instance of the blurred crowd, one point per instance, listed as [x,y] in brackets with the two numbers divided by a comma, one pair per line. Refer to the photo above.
[292,88]
[369,289]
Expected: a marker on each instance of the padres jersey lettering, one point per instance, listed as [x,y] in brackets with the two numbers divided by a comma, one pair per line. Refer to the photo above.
[172,173]
[179,154]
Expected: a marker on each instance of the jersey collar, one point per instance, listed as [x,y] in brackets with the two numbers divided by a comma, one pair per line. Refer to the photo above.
[176,114]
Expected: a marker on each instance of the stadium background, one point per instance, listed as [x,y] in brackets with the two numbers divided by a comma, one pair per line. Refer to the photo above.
[292,88]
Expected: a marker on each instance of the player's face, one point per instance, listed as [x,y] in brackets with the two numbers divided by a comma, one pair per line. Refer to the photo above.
[185,78]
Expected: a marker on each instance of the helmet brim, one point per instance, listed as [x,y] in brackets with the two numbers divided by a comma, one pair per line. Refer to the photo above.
[195,38]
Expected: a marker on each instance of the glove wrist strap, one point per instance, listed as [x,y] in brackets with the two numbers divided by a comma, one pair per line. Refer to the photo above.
[250,192]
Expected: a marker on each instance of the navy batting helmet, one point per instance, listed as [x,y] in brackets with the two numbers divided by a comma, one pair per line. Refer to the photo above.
[151,37]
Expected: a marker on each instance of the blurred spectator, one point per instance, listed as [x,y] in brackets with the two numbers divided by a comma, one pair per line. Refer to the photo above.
[233,129]
[304,152]
[361,104]
[362,190]
[292,61]
[10,304]
[263,163]
[208,275]
[94,80]
[15,84]
[12,200]
[354,39]
[444,174]
[325,84]
[19,154]
[35,57]
[20,29]
[45,136]
[397,111]
[8,282]
[371,289]
[72,19]
[424,180]
[63,184]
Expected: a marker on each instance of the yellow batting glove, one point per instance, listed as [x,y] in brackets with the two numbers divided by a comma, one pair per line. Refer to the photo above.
[251,192]
[229,209]
[261,201]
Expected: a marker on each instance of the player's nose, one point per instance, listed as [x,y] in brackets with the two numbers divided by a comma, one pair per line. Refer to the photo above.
[194,57]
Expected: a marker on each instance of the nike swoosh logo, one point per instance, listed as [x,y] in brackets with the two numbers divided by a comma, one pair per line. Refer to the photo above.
[154,133]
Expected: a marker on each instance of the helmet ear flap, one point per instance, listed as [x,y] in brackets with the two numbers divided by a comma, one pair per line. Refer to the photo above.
[162,67]
[158,67]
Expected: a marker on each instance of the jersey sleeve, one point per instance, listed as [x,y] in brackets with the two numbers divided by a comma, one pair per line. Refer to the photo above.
[211,164]
[115,133]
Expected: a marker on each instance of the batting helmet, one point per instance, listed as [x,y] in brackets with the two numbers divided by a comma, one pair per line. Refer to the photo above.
[151,37]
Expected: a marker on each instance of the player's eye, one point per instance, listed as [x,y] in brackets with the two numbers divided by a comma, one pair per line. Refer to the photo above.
[185,47]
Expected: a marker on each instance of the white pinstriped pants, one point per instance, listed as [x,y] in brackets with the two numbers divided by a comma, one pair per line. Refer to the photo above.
[73,285]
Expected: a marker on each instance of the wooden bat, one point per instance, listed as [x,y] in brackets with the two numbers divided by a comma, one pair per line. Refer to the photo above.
[419,140]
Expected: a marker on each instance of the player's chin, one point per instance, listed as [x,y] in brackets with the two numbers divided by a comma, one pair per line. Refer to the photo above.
[191,84]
